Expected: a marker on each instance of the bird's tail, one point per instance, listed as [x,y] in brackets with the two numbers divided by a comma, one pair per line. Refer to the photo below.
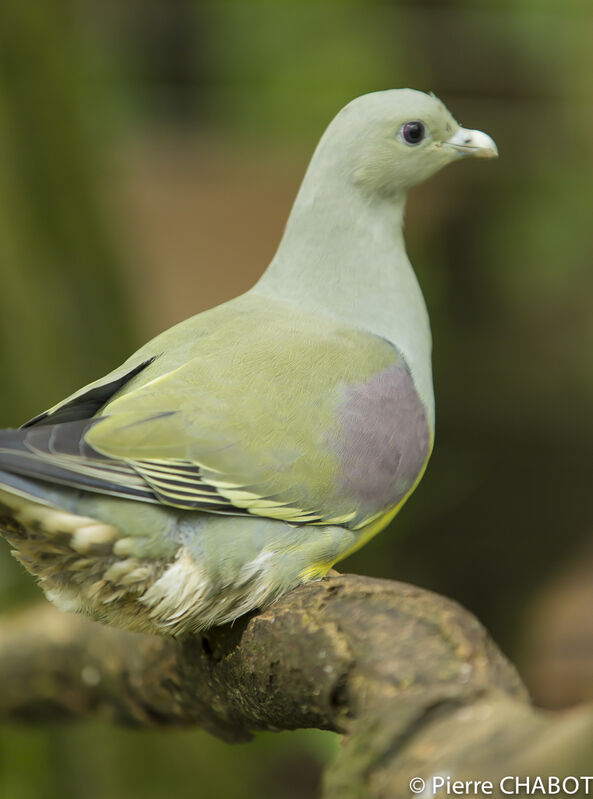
[13,486]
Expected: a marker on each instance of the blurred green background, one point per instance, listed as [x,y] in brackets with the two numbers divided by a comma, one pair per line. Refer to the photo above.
[149,154]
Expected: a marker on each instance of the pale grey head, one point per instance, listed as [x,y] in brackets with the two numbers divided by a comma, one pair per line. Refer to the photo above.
[386,142]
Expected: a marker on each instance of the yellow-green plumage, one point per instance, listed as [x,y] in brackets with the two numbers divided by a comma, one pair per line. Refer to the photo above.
[256,422]
[251,447]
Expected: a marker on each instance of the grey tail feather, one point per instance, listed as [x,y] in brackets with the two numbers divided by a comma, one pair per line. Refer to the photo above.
[23,487]
[59,455]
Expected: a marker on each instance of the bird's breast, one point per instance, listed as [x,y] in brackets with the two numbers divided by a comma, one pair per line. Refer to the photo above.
[384,440]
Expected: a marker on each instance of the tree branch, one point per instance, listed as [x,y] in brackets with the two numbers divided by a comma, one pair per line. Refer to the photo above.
[410,678]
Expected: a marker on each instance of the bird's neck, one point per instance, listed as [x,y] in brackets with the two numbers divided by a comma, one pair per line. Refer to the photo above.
[343,254]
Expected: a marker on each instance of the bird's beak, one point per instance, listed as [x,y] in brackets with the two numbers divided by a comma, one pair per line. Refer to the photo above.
[468,143]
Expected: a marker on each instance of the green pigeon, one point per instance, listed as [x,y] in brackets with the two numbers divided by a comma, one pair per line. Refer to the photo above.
[251,447]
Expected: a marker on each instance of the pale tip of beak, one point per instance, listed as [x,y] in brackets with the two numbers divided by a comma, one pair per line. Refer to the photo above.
[473,143]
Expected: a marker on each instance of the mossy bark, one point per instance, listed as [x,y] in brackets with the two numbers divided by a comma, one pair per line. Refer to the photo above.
[409,678]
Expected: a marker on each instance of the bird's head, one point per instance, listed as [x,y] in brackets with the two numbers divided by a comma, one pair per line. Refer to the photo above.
[388,141]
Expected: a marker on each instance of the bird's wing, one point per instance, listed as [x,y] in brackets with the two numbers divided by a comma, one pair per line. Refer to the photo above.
[268,416]
[170,349]
[87,402]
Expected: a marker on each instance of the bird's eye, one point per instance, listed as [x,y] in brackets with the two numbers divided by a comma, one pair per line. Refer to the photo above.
[413,132]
